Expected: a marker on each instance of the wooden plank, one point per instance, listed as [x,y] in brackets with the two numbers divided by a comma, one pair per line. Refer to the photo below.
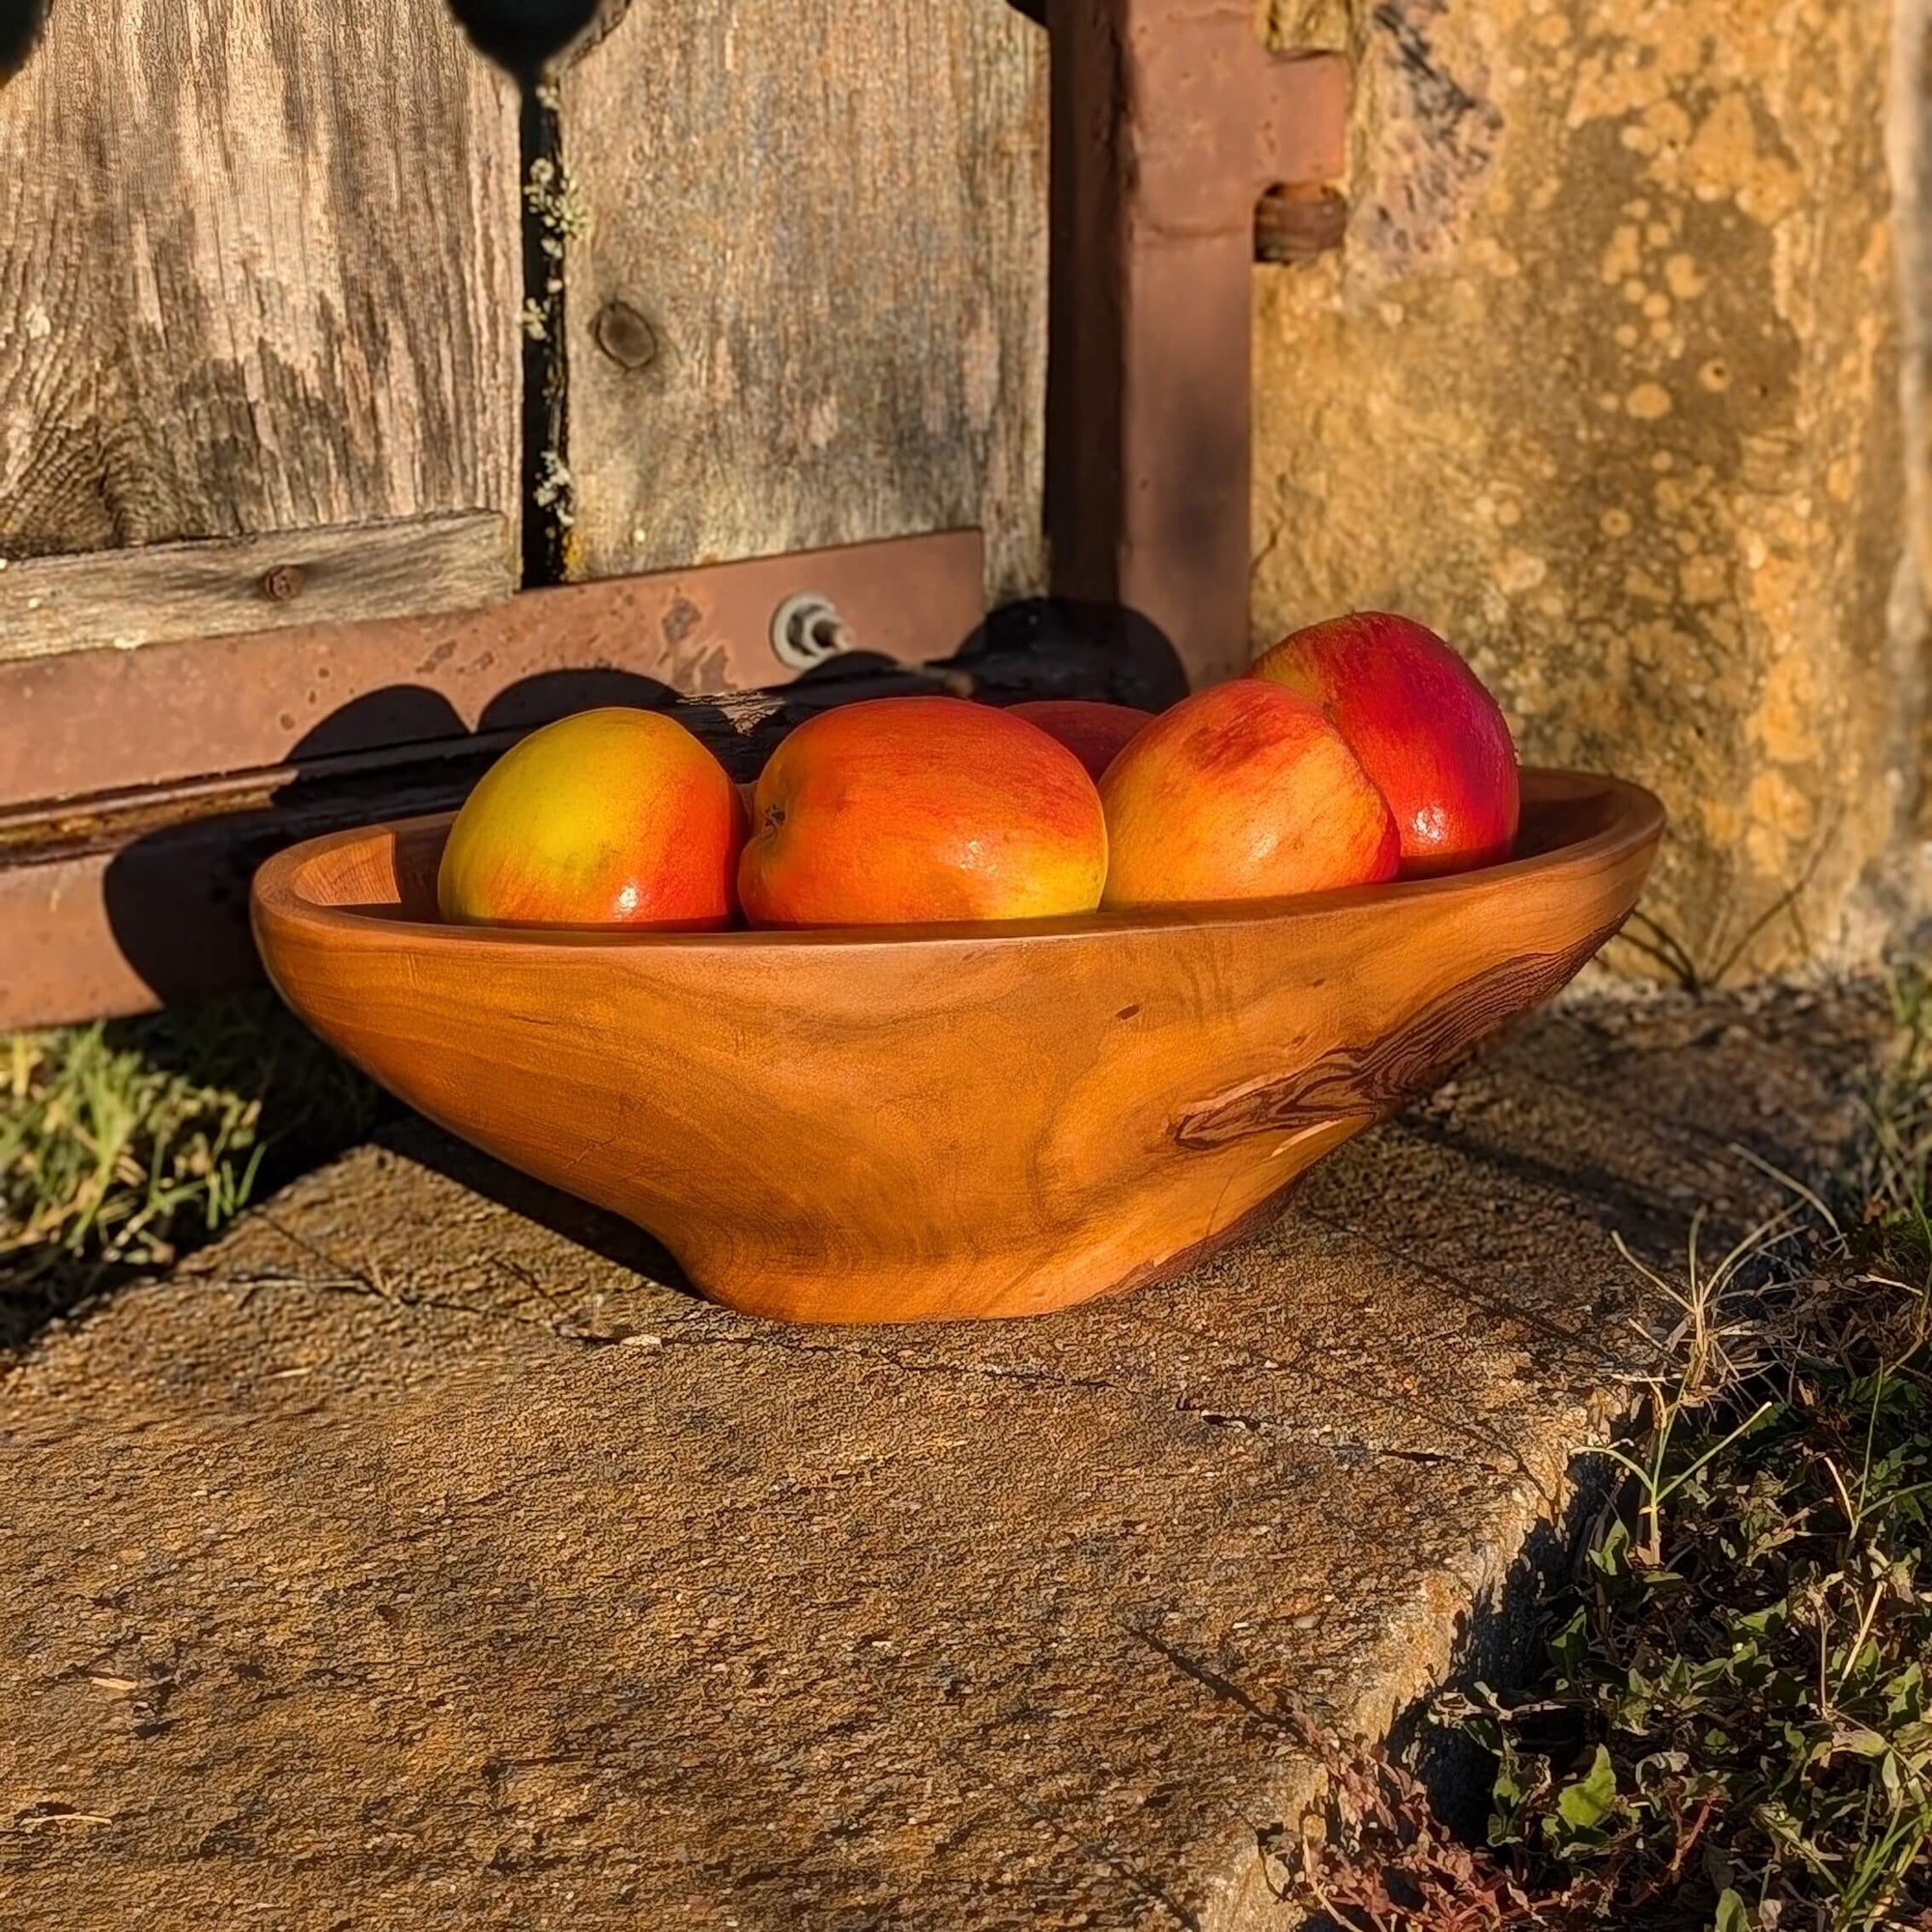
[122,599]
[259,271]
[102,721]
[807,283]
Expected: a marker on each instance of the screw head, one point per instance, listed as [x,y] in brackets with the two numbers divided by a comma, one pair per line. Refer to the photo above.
[282,583]
[807,629]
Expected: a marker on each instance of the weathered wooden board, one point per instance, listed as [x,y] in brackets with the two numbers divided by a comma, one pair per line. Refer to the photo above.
[54,605]
[259,271]
[807,280]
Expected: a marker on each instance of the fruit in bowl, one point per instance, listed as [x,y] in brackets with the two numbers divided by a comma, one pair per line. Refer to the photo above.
[1093,732]
[1429,736]
[916,811]
[1359,751]
[1243,791]
[609,818]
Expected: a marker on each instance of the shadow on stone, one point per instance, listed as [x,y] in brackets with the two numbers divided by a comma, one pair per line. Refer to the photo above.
[609,1236]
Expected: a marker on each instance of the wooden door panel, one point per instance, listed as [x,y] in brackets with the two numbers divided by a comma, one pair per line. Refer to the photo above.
[806,280]
[260,272]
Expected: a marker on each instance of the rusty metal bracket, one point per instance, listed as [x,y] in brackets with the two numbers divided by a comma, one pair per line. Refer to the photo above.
[1171,121]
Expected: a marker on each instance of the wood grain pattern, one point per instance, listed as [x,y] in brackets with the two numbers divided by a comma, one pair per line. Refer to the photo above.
[867,1126]
[1370,1081]
[830,220]
[259,271]
[126,598]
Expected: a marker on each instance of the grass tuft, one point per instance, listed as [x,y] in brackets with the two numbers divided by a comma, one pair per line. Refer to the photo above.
[125,1144]
[1733,1727]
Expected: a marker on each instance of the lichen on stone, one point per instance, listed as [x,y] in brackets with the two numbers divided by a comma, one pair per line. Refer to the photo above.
[1604,383]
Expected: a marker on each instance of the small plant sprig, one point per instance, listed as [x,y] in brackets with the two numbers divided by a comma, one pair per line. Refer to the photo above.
[1734,1727]
[124,1143]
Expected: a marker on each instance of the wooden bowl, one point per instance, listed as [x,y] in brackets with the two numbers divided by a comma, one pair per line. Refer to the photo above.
[910,1126]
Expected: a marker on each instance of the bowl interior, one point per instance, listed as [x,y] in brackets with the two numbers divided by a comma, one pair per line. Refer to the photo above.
[388,873]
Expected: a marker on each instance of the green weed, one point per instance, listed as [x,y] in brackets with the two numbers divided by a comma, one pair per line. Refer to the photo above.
[124,1143]
[1734,1725]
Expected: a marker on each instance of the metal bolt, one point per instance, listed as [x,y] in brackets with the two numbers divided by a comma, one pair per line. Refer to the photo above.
[625,336]
[283,582]
[807,629]
[1296,221]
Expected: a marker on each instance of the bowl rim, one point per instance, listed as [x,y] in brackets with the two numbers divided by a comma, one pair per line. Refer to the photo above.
[1636,821]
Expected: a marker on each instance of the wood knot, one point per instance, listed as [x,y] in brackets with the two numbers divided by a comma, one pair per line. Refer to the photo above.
[625,336]
[1369,1081]
[283,583]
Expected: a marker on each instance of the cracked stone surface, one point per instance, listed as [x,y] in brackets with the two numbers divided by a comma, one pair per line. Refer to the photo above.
[420,1556]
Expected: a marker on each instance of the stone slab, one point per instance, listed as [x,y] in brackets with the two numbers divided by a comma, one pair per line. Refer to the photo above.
[422,1556]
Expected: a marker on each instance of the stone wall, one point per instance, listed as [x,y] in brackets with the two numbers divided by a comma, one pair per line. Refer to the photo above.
[1608,384]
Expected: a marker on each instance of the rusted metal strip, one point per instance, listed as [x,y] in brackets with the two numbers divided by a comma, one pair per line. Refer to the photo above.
[99,721]
[1169,121]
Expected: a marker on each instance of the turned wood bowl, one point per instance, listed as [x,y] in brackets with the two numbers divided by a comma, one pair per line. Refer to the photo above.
[942,1123]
